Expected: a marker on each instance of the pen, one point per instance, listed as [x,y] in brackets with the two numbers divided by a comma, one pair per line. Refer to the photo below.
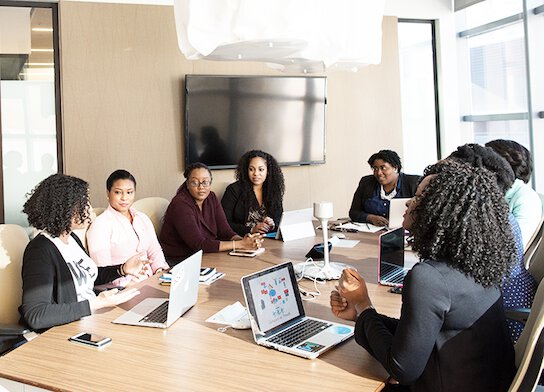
[367,226]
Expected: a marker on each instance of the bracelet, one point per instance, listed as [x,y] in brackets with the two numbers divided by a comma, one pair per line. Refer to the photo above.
[233,245]
[121,270]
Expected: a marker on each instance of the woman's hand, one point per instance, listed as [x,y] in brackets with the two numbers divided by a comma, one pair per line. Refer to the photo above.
[111,298]
[341,307]
[137,266]
[377,220]
[352,287]
[251,241]
[260,227]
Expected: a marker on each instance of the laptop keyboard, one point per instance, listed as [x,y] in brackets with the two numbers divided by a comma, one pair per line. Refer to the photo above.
[392,274]
[299,333]
[157,315]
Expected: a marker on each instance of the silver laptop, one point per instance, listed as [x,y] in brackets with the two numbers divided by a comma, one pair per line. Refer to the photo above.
[391,269]
[161,312]
[277,315]
[296,224]
[397,207]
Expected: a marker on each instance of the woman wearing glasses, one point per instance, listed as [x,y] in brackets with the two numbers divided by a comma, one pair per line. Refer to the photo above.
[253,204]
[195,220]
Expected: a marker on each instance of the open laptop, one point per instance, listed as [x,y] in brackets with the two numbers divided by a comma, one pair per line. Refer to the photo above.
[161,312]
[296,224]
[391,269]
[277,315]
[397,207]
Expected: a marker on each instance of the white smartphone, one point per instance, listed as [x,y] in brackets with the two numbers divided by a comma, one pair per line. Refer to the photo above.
[246,252]
[90,339]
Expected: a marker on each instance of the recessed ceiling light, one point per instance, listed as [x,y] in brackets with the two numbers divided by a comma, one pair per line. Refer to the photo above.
[42,50]
[45,29]
[40,64]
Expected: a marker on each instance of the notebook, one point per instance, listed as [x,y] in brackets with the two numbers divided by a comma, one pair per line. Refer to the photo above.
[161,312]
[277,315]
[397,207]
[391,269]
[296,224]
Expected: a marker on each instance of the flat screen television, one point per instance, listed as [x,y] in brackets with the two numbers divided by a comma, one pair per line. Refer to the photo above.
[225,116]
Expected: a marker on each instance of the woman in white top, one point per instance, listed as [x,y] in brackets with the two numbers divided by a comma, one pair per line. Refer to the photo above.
[58,275]
[121,231]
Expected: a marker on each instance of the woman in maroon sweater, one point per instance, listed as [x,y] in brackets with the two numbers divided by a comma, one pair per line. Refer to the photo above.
[195,220]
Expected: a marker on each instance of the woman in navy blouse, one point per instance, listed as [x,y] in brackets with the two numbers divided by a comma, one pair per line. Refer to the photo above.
[371,199]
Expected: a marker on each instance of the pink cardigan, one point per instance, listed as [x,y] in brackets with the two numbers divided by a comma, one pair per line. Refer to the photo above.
[112,239]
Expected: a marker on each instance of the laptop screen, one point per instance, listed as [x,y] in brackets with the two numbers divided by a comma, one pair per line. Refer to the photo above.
[392,249]
[273,297]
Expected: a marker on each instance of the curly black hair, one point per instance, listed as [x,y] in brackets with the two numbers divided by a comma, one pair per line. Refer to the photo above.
[462,219]
[388,156]
[519,158]
[119,174]
[273,186]
[55,201]
[484,157]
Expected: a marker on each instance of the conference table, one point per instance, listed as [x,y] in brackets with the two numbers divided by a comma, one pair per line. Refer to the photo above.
[192,355]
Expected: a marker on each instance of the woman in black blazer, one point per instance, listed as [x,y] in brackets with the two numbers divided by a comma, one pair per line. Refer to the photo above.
[254,203]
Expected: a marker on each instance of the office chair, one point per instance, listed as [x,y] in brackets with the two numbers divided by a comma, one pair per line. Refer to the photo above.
[530,347]
[535,243]
[154,208]
[13,241]
[98,210]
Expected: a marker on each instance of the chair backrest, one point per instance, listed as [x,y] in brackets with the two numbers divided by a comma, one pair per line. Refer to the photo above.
[98,210]
[530,347]
[13,241]
[536,240]
[154,208]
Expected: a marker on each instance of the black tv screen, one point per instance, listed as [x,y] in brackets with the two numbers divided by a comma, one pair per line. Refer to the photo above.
[225,116]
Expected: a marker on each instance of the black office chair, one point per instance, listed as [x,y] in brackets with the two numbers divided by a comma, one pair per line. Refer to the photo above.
[530,345]
[13,240]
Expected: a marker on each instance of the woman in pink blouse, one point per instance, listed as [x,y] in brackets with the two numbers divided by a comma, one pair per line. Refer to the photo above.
[121,231]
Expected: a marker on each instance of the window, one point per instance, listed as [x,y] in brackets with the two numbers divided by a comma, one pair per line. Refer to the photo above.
[418,94]
[29,96]
[498,94]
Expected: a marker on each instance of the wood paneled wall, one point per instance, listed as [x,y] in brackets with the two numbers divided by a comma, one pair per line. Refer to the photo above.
[122,102]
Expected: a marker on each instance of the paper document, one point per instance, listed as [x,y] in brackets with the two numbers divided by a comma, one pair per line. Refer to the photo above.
[365,227]
[340,243]
[229,314]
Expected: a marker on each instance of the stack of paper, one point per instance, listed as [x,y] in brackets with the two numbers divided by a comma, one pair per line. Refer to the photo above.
[208,275]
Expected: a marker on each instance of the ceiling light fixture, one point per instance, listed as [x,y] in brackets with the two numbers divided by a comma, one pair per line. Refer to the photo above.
[290,35]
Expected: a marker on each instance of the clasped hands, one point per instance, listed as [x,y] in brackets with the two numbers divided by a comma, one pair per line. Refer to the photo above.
[350,296]
[252,241]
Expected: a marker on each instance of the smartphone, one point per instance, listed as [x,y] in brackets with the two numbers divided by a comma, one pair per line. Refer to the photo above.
[90,339]
[246,252]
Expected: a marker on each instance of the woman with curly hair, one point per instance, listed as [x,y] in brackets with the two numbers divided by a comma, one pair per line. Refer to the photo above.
[451,335]
[524,202]
[254,203]
[58,275]
[519,288]
[371,199]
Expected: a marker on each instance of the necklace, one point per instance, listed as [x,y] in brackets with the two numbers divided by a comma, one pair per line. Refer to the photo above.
[390,196]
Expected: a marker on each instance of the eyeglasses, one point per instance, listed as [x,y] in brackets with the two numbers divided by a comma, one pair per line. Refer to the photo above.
[196,184]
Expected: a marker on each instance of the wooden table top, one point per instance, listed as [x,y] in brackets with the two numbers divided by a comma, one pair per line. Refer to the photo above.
[192,355]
